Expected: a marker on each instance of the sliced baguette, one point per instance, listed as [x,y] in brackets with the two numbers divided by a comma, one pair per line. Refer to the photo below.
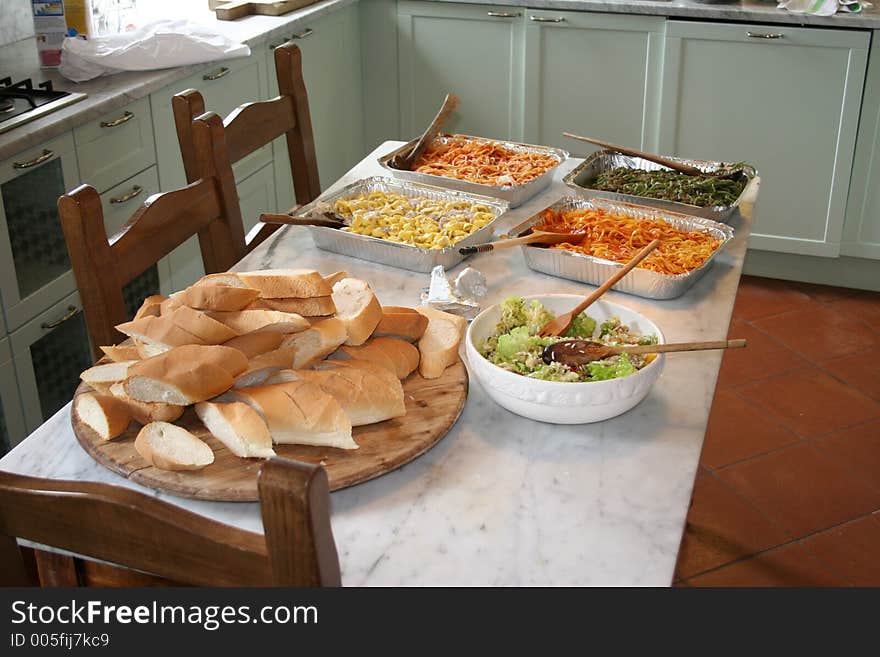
[285,283]
[254,344]
[399,356]
[260,321]
[316,343]
[237,426]
[104,414]
[218,297]
[226,278]
[120,353]
[231,360]
[438,347]
[178,381]
[384,374]
[335,277]
[169,447]
[260,367]
[358,308]
[101,377]
[313,307]
[170,304]
[146,412]
[401,322]
[362,352]
[299,412]
[160,332]
[207,329]
[151,306]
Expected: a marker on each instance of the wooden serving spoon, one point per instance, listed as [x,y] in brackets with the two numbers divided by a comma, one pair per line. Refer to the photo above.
[535,237]
[561,324]
[580,352]
[330,220]
[404,161]
[659,159]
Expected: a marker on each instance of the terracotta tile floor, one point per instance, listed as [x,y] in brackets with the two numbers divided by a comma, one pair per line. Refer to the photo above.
[788,491]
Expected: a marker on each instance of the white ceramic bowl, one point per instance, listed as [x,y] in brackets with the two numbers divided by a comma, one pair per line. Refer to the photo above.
[556,401]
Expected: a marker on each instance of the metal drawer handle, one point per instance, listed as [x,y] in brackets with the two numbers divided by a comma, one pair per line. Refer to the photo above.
[71,311]
[542,19]
[302,35]
[772,35]
[137,189]
[501,14]
[216,76]
[39,159]
[125,118]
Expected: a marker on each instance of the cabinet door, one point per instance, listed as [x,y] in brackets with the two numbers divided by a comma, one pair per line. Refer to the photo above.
[785,99]
[592,74]
[256,195]
[12,428]
[34,266]
[331,61]
[50,352]
[474,51]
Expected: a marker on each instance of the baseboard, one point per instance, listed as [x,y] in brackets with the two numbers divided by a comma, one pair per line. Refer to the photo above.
[859,273]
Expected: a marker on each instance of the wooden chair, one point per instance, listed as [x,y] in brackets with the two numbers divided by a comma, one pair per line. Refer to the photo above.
[252,126]
[142,533]
[102,265]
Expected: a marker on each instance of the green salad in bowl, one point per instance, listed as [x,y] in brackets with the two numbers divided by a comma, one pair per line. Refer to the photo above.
[516,347]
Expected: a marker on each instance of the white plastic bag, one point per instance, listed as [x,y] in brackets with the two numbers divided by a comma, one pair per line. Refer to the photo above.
[161,44]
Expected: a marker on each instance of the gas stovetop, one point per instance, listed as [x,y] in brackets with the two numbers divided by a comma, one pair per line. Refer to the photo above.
[20,102]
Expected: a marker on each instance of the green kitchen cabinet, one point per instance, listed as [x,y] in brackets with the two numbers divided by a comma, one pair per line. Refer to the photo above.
[473,51]
[331,62]
[592,74]
[787,100]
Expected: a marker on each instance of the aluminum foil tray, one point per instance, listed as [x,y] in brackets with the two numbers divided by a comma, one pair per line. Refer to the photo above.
[514,194]
[390,253]
[584,174]
[595,271]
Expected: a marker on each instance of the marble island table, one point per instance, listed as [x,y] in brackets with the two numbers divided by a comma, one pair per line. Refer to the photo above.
[501,500]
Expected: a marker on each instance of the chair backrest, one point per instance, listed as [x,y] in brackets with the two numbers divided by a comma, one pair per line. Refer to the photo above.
[143,533]
[253,125]
[102,265]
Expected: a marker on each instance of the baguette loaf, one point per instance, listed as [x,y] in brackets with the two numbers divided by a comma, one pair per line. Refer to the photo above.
[335,277]
[230,359]
[237,426]
[151,306]
[299,412]
[226,278]
[438,347]
[312,307]
[386,375]
[314,344]
[159,332]
[260,321]
[146,412]
[254,344]
[208,330]
[400,322]
[169,447]
[358,308]
[260,367]
[285,283]
[170,304]
[178,378]
[399,356]
[101,377]
[104,414]
[218,297]
[120,353]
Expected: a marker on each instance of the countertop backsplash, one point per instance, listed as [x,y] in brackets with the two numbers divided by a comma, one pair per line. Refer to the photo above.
[16,21]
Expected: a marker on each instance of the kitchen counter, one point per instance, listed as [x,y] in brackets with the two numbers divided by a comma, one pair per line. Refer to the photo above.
[501,500]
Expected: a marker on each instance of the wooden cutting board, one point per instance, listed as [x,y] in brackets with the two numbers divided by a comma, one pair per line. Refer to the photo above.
[230,11]
[432,407]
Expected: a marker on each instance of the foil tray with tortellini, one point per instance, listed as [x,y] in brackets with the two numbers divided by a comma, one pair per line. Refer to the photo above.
[403,224]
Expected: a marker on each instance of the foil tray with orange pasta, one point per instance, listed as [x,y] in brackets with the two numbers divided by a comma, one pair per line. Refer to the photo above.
[612,232]
[507,170]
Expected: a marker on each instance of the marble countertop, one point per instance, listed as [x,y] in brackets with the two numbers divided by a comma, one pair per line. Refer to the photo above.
[501,500]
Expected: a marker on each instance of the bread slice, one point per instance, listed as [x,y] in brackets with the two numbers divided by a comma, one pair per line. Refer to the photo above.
[363,352]
[179,381]
[237,426]
[259,321]
[146,412]
[101,377]
[260,367]
[389,377]
[169,447]
[120,353]
[402,354]
[226,278]
[364,395]
[151,306]
[299,412]
[105,415]
[316,343]
[170,304]
[438,347]
[207,329]
[335,277]
[231,360]
[401,322]
[285,283]
[218,297]
[313,307]
[159,332]
[357,307]
[254,344]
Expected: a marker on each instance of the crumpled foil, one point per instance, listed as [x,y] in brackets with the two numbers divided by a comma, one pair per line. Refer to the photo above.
[458,297]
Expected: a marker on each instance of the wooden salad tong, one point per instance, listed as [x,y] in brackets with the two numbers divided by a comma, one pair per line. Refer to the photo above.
[405,161]
[535,237]
[580,352]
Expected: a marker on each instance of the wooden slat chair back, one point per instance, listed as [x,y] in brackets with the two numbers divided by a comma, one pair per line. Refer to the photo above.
[102,265]
[133,530]
[254,125]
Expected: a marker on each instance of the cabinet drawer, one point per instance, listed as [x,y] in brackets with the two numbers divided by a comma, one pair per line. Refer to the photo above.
[116,146]
[50,352]
[12,428]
